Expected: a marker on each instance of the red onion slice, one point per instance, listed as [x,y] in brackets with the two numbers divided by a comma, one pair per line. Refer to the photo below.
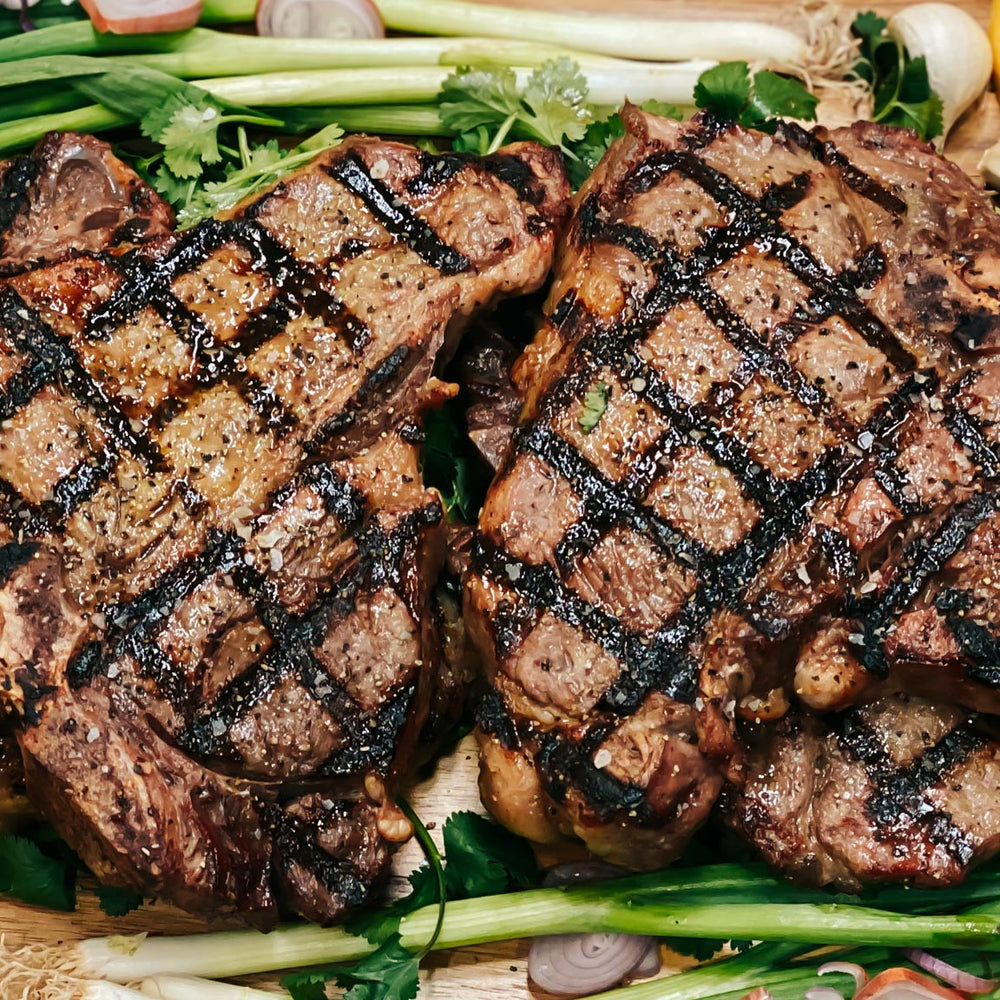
[574,965]
[848,968]
[319,19]
[135,17]
[959,978]
[904,984]
[761,993]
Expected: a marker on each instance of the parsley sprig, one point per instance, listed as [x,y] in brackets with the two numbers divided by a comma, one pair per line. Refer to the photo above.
[901,90]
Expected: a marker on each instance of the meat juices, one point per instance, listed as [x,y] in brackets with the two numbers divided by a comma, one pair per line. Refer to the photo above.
[216,550]
[784,493]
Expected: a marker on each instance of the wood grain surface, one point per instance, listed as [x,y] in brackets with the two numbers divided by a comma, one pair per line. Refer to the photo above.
[496,972]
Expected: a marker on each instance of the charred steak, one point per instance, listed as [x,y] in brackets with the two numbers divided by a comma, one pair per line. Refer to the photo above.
[217,551]
[72,194]
[900,788]
[757,467]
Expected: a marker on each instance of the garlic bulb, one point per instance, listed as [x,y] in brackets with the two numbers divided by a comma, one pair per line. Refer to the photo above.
[957,50]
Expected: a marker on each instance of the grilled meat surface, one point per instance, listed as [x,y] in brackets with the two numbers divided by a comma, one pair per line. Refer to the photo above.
[72,194]
[757,467]
[900,788]
[217,552]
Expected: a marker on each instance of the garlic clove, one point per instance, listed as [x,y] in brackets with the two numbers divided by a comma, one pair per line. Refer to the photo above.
[957,50]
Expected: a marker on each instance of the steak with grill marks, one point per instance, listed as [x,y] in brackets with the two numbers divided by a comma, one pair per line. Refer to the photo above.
[72,194]
[216,632]
[900,788]
[757,466]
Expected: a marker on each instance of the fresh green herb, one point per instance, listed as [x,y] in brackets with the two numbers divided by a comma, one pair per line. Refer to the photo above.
[451,463]
[730,92]
[601,134]
[595,402]
[485,107]
[116,901]
[391,971]
[901,91]
[388,973]
[36,876]
[257,168]
[481,859]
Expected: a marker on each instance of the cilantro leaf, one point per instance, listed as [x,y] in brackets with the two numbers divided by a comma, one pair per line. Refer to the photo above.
[116,901]
[389,973]
[868,24]
[781,96]
[724,90]
[729,92]
[483,858]
[379,925]
[601,134]
[451,463]
[595,402]
[258,167]
[476,98]
[33,876]
[901,90]
[556,94]
[484,107]
[190,138]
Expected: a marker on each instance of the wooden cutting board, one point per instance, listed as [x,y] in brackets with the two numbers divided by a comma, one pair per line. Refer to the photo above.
[496,972]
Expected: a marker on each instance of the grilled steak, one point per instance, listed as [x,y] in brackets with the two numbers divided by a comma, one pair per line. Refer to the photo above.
[72,194]
[757,467]
[218,554]
[898,789]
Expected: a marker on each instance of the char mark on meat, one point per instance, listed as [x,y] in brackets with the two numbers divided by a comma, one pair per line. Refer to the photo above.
[72,195]
[900,789]
[217,554]
[777,492]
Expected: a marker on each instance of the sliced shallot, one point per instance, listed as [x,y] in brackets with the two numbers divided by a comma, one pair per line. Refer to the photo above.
[959,978]
[319,19]
[575,965]
[761,993]
[904,984]
[136,17]
[848,969]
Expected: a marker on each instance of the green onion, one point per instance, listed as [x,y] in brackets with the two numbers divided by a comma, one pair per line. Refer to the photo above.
[659,39]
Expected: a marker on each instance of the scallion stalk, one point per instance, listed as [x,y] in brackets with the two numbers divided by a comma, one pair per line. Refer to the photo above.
[363,85]
[194,988]
[611,907]
[27,131]
[228,11]
[658,39]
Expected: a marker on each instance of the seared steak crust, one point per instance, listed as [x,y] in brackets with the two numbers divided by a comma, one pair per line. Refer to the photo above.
[217,552]
[898,789]
[71,194]
[748,457]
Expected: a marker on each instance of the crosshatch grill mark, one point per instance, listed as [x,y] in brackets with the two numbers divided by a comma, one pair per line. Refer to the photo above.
[724,578]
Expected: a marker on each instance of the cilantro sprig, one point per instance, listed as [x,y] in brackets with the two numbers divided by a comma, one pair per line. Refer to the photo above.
[486,107]
[731,92]
[480,859]
[37,868]
[901,90]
